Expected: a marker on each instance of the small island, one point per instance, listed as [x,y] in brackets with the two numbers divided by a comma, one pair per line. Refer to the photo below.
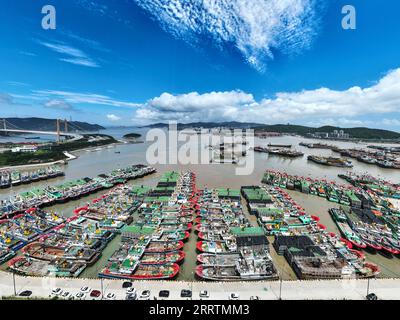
[133,137]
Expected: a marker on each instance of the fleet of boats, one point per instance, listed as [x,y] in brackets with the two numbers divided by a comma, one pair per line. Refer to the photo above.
[230,248]
[151,246]
[310,250]
[53,245]
[70,190]
[9,178]
[384,157]
[369,216]
[153,224]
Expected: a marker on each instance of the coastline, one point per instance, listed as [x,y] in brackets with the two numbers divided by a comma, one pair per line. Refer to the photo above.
[69,157]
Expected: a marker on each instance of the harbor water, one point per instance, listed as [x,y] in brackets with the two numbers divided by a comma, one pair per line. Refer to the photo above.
[91,163]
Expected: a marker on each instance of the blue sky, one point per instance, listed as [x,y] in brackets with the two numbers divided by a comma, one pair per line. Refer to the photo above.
[129,62]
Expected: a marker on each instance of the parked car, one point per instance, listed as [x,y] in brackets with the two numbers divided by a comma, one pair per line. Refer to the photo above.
[163,294]
[254,298]
[234,296]
[145,295]
[95,294]
[186,293]
[110,296]
[126,284]
[85,289]
[26,293]
[131,290]
[131,296]
[372,296]
[204,294]
[66,295]
[80,295]
[56,291]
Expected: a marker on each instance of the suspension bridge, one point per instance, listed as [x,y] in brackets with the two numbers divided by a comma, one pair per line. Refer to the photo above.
[7,127]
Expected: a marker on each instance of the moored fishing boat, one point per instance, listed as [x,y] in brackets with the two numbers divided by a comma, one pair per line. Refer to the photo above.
[339,217]
[164,246]
[223,260]
[133,270]
[40,268]
[162,258]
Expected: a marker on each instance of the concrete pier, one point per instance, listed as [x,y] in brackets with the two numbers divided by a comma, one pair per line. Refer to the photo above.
[386,289]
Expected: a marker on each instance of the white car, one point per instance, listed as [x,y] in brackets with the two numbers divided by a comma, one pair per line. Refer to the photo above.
[56,291]
[145,295]
[204,294]
[110,296]
[131,290]
[85,289]
[66,295]
[80,296]
[234,296]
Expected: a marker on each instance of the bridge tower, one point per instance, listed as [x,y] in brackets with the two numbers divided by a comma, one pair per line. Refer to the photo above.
[4,125]
[58,130]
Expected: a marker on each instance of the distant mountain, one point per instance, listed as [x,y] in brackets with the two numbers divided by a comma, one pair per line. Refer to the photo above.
[358,133]
[230,124]
[42,124]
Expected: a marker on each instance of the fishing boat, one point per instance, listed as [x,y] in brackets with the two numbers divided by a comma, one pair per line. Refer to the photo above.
[41,251]
[223,260]
[240,272]
[6,254]
[164,246]
[213,247]
[162,257]
[15,178]
[330,161]
[339,217]
[134,270]
[39,268]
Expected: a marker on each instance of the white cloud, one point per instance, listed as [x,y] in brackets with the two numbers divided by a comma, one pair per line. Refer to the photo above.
[73,55]
[59,104]
[321,105]
[113,117]
[255,27]
[86,98]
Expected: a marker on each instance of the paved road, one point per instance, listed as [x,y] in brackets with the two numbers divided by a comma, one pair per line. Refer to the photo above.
[388,289]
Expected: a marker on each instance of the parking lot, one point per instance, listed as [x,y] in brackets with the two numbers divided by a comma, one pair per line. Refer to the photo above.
[272,290]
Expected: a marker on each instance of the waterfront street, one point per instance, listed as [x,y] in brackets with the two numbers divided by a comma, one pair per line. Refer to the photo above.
[291,290]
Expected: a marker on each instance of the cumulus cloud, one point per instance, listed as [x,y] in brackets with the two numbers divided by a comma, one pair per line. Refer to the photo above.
[255,27]
[322,105]
[113,117]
